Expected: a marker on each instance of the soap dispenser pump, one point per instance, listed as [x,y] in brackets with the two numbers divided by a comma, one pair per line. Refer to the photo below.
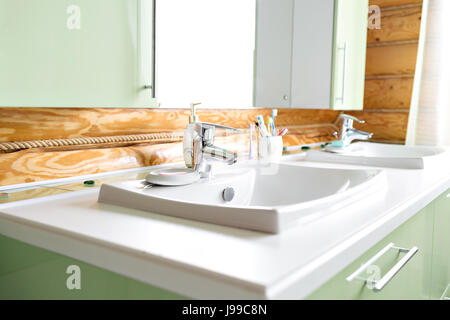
[188,136]
[193,117]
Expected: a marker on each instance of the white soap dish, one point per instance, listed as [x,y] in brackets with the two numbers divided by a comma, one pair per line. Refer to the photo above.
[172,177]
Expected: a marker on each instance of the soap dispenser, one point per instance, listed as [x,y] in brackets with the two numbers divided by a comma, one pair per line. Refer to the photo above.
[188,136]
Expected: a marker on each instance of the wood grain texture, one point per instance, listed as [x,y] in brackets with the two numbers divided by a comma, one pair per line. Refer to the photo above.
[21,124]
[25,166]
[391,3]
[387,101]
[28,166]
[397,25]
[308,135]
[386,126]
[388,93]
[398,59]
[305,126]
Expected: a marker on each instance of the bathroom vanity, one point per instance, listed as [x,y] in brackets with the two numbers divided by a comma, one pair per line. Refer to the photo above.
[351,221]
[68,246]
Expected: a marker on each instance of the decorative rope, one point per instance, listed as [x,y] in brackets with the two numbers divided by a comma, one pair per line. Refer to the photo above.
[134,138]
[7,147]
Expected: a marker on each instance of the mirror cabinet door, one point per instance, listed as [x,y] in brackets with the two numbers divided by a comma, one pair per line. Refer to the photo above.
[311,54]
[84,53]
[273,54]
[349,54]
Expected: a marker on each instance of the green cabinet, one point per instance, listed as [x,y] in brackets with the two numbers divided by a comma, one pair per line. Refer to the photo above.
[84,53]
[28,272]
[425,276]
[311,54]
[440,282]
[412,281]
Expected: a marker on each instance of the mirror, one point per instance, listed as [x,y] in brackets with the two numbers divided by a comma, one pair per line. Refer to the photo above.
[171,53]
[261,53]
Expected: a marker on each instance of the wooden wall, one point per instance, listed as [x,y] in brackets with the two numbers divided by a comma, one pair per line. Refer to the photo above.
[23,124]
[391,59]
[390,68]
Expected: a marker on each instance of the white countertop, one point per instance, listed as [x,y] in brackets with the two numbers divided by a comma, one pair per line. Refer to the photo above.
[201,260]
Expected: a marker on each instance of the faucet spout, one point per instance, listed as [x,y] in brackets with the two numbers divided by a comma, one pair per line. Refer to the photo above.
[219,154]
[359,135]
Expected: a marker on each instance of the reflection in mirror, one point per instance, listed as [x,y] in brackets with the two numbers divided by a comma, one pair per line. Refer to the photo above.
[205,52]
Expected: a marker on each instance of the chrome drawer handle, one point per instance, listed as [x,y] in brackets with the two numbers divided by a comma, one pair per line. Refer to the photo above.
[378,285]
[444,295]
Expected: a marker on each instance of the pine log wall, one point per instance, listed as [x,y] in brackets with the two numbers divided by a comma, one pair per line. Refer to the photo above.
[391,60]
[390,67]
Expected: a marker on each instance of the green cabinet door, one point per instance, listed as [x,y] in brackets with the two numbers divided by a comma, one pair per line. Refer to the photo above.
[440,287]
[28,272]
[412,281]
[349,54]
[84,53]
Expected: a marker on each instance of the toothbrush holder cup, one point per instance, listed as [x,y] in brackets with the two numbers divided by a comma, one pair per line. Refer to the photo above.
[270,148]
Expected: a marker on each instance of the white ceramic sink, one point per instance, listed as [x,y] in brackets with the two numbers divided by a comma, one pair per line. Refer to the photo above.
[266,198]
[382,155]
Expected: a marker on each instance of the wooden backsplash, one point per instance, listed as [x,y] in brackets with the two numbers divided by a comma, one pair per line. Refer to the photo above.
[45,123]
[23,124]
[391,60]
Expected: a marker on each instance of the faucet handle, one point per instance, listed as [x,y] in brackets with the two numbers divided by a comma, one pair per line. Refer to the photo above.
[207,131]
[349,117]
[219,126]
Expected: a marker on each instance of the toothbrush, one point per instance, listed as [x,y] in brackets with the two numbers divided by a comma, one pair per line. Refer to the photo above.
[269,126]
[283,132]
[259,129]
[274,115]
[262,126]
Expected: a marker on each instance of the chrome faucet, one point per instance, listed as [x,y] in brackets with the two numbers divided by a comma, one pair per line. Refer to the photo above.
[348,133]
[198,145]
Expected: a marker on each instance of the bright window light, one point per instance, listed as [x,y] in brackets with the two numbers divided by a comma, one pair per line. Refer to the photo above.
[205,53]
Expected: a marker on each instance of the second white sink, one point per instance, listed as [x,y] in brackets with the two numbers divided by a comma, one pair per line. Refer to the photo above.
[265,198]
[382,155]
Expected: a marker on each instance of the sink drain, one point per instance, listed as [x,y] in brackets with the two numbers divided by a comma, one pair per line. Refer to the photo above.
[228,194]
